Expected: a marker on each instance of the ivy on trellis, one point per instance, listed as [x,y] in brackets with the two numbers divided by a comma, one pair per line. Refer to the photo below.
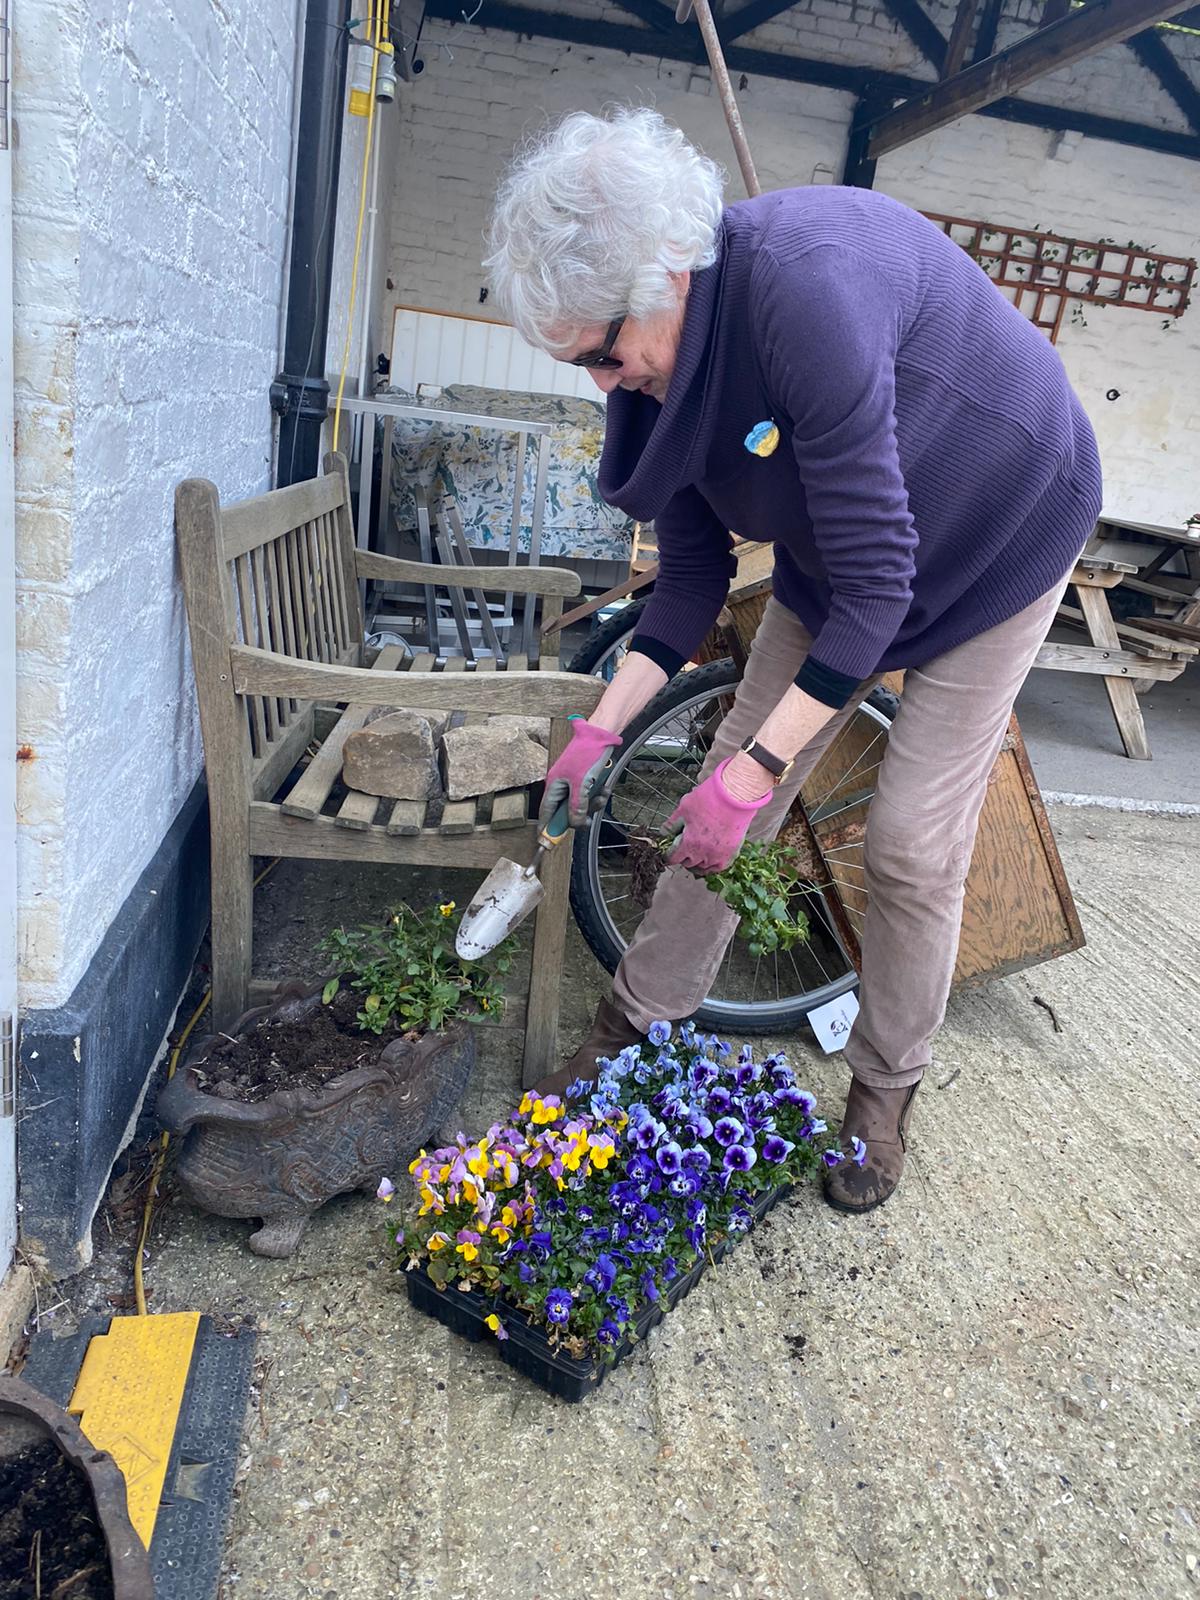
[1042,271]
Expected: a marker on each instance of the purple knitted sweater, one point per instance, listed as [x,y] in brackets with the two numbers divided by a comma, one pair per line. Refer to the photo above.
[935,472]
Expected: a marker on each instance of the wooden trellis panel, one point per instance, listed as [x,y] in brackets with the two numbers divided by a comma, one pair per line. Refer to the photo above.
[1042,271]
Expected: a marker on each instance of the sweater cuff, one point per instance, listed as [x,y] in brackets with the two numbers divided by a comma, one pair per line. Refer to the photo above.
[662,655]
[824,684]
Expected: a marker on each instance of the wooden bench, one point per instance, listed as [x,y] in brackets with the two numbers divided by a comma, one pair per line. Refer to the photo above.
[272,588]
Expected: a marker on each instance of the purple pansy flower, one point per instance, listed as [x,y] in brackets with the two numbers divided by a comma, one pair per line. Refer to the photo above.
[697,1160]
[648,1286]
[719,1101]
[858,1149]
[775,1148]
[832,1158]
[558,1305]
[728,1131]
[739,1158]
[669,1158]
[601,1275]
[608,1333]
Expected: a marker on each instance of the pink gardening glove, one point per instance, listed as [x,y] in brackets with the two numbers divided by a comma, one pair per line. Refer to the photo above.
[713,824]
[578,773]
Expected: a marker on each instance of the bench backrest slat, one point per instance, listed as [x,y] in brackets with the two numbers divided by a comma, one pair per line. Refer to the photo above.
[275,573]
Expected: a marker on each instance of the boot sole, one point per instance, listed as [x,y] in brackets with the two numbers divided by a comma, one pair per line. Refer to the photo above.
[853,1211]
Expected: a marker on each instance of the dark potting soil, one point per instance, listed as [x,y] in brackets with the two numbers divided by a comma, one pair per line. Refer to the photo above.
[51,1542]
[302,1054]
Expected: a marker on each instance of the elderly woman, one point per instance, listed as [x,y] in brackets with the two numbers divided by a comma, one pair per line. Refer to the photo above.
[822,368]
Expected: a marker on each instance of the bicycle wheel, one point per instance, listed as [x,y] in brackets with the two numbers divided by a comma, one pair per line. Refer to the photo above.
[603,651]
[658,763]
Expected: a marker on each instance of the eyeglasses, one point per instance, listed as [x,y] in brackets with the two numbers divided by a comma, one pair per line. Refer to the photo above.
[601,357]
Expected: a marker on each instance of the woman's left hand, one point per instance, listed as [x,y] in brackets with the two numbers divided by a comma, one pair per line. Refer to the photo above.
[712,824]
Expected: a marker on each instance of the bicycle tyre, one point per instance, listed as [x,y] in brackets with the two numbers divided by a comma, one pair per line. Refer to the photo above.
[601,644]
[786,1015]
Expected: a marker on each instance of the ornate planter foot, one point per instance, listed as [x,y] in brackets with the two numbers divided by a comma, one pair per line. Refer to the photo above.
[279,1238]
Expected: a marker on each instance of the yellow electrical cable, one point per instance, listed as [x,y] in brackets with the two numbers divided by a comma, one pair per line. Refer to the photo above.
[376,38]
[164,1139]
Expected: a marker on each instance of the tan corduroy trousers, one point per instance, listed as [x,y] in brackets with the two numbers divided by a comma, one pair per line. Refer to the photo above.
[920,834]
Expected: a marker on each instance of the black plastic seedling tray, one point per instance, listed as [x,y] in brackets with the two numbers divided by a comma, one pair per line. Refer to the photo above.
[528,1348]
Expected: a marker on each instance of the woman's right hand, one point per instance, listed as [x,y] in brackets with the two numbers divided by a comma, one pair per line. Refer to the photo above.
[577,776]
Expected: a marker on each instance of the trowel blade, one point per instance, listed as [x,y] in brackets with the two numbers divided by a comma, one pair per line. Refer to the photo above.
[505,898]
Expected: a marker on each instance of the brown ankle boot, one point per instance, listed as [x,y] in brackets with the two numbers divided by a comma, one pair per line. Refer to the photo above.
[610,1032]
[880,1118]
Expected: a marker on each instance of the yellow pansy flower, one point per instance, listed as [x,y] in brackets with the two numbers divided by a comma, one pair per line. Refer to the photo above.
[447,909]
[437,1241]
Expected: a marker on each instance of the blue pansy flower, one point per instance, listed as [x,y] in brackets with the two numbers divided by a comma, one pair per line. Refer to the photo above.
[669,1158]
[728,1131]
[558,1305]
[658,1033]
[859,1151]
[608,1333]
[601,1275]
[739,1158]
[776,1148]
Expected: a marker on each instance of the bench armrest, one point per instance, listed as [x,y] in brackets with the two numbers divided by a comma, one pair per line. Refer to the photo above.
[539,694]
[503,580]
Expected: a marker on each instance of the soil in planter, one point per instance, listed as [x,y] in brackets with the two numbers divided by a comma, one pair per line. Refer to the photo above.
[51,1542]
[303,1054]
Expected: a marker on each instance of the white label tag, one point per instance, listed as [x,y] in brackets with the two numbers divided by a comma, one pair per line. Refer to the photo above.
[832,1022]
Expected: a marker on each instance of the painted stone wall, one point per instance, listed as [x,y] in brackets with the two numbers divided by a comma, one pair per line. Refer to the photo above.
[151,185]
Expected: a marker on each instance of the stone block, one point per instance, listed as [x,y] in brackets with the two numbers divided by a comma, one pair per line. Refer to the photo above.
[489,757]
[393,757]
[535,728]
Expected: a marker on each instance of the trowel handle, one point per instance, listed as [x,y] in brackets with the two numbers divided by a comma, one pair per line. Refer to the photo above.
[556,829]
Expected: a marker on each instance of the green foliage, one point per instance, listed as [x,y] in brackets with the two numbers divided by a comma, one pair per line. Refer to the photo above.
[758,884]
[408,973]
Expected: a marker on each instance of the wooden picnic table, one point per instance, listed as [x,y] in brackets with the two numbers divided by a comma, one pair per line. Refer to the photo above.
[1131,656]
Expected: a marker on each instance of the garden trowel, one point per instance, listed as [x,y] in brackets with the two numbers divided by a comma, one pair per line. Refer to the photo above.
[507,895]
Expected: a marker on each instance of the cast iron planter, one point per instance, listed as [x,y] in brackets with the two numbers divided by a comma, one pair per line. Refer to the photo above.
[283,1157]
[528,1347]
[27,1417]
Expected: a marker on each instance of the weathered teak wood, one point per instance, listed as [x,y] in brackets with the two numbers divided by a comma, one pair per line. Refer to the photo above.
[273,834]
[273,599]
[1139,639]
[1102,22]
[503,580]
[546,969]
[212,625]
[542,694]
[510,808]
[267,517]
[315,784]
[1107,661]
[1102,631]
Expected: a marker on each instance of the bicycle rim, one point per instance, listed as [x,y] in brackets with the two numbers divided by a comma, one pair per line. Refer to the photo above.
[659,763]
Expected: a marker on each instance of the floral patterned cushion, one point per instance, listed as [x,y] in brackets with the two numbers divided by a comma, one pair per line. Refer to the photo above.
[476,467]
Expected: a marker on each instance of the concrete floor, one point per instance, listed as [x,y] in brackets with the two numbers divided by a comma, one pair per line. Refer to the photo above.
[985,1389]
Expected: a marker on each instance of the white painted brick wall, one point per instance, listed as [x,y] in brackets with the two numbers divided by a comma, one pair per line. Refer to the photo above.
[461,119]
[151,176]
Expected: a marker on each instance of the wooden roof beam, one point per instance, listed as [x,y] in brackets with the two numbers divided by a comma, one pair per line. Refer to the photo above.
[1156,55]
[960,37]
[1101,23]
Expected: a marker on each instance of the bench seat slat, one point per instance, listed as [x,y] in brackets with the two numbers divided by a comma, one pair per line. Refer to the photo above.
[308,796]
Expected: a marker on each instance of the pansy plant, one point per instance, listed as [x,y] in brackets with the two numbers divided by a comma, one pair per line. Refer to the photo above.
[579,1212]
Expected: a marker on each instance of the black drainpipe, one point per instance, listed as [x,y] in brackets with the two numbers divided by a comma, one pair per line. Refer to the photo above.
[301,391]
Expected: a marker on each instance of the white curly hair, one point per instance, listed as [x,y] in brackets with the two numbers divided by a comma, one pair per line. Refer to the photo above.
[593,216]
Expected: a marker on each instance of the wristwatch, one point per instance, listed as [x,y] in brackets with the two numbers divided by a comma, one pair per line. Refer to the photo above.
[777,768]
